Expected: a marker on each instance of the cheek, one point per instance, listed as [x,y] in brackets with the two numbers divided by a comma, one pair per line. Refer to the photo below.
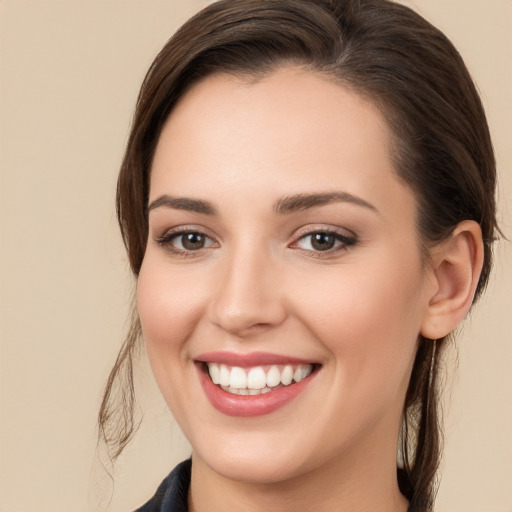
[169,307]
[368,316]
[164,303]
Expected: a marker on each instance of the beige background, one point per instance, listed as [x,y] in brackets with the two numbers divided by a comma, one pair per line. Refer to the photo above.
[69,75]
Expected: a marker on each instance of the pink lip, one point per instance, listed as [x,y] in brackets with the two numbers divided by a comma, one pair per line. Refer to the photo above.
[247,360]
[249,405]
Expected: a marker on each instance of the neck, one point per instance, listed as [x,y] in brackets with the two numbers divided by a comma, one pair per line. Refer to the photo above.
[355,484]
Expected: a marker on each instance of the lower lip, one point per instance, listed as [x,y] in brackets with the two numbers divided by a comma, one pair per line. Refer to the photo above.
[250,405]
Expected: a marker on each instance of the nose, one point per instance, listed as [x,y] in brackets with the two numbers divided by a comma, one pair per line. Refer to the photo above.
[249,299]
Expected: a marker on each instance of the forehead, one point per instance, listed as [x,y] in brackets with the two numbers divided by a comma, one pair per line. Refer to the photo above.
[289,132]
[284,104]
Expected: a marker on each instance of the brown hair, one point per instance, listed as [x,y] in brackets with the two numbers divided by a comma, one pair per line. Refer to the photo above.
[442,150]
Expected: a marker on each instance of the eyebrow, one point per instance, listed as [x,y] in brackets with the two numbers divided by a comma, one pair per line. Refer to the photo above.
[183,203]
[285,205]
[299,202]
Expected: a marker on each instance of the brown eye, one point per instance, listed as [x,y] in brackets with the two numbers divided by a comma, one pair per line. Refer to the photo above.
[191,241]
[182,242]
[322,241]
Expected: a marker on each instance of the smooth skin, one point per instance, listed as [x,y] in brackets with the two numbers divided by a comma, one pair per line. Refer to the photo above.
[234,266]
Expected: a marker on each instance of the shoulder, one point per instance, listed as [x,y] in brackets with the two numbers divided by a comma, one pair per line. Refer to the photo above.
[171,495]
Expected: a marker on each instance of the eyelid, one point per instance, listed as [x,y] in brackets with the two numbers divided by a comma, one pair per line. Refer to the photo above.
[168,235]
[347,238]
[185,228]
[323,228]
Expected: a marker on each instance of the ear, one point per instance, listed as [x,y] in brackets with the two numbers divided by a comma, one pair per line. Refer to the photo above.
[456,265]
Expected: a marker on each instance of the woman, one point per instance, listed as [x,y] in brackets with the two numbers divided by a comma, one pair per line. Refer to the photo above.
[307,202]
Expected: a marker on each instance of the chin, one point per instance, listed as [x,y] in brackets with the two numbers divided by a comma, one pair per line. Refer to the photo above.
[254,469]
[256,458]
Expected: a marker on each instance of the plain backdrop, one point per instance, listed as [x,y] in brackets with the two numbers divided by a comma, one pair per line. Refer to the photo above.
[69,75]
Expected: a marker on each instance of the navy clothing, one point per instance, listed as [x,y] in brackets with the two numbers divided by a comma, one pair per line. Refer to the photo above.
[172,494]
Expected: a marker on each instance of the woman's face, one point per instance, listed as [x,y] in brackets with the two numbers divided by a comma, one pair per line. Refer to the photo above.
[282,247]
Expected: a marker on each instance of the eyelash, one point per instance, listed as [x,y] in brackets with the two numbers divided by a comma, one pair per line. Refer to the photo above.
[166,241]
[344,242]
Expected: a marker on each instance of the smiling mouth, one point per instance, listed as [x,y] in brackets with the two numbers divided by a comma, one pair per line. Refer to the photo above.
[256,380]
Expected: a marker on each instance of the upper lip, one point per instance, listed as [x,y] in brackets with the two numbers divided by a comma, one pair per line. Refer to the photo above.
[250,359]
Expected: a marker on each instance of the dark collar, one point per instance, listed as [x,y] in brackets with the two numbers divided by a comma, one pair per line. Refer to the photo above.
[172,494]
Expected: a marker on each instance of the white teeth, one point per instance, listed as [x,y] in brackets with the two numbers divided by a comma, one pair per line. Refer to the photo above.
[238,378]
[273,377]
[256,378]
[224,375]
[287,375]
[254,381]
[302,372]
[215,373]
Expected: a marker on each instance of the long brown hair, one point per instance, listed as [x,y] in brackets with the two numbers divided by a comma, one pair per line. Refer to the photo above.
[442,150]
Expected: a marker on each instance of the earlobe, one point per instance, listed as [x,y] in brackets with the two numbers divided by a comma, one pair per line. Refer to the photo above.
[456,267]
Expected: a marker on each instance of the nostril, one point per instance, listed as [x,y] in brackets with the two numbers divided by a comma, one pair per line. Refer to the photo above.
[247,322]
